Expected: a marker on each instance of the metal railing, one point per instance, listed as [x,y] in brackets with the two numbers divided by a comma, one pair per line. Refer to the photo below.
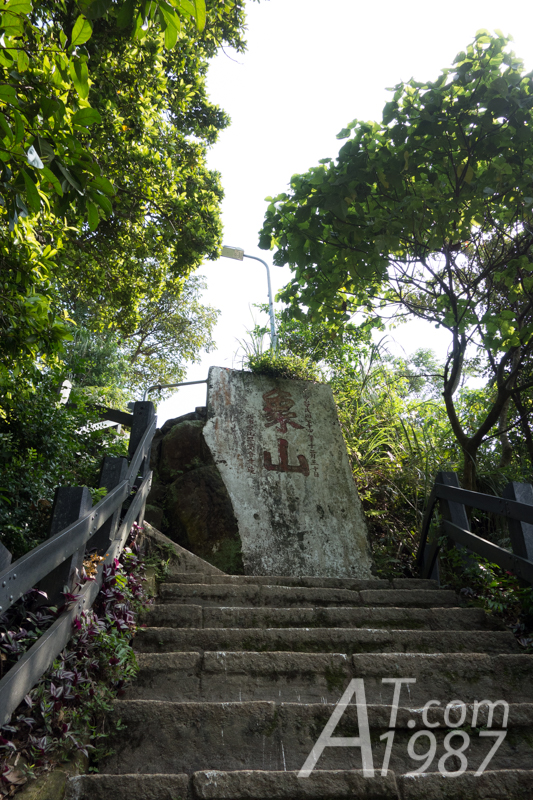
[455,524]
[77,527]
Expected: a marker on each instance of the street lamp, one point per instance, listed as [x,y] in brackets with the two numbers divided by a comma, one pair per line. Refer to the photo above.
[239,254]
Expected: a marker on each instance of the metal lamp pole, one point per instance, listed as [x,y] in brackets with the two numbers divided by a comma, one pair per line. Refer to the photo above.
[239,254]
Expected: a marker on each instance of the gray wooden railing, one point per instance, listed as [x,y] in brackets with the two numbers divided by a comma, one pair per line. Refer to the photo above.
[516,505]
[77,527]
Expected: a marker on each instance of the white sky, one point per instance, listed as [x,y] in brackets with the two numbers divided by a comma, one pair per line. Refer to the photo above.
[312,67]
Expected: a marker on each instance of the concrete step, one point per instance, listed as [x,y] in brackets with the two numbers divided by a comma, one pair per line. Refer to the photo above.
[352,785]
[176,615]
[339,785]
[356,584]
[323,640]
[128,787]
[302,597]
[320,785]
[163,737]
[319,678]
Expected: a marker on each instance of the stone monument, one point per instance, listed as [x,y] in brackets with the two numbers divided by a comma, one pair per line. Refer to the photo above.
[279,449]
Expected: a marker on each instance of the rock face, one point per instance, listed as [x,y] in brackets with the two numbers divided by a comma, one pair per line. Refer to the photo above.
[189,501]
[280,451]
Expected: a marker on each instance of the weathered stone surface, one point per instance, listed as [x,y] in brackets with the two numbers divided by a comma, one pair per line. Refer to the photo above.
[177,737]
[201,518]
[128,787]
[303,596]
[188,499]
[180,615]
[354,584]
[505,784]
[324,640]
[285,677]
[470,676]
[183,449]
[320,785]
[280,451]
[154,515]
[239,708]
[183,562]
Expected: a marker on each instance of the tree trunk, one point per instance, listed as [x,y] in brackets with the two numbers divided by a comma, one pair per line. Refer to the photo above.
[470,468]
[507,449]
[524,423]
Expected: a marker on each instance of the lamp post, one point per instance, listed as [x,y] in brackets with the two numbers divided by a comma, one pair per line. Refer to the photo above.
[239,254]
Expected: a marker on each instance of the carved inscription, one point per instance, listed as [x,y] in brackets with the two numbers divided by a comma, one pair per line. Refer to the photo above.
[277,410]
[250,442]
[284,465]
[309,423]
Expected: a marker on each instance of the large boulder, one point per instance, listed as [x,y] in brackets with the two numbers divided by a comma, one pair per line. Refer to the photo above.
[188,501]
[201,518]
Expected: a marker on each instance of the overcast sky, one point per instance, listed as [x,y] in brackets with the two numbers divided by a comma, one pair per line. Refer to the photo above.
[312,67]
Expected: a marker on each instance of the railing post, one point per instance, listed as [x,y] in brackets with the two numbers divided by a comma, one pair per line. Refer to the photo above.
[143,415]
[70,503]
[454,512]
[5,557]
[521,533]
[112,473]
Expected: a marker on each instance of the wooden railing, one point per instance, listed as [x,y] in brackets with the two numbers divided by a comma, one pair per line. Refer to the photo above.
[516,505]
[77,528]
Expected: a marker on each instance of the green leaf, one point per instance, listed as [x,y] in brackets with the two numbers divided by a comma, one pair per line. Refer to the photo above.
[70,177]
[8,95]
[187,8]
[103,185]
[125,14]
[49,175]
[34,201]
[80,77]
[93,216]
[86,117]
[81,32]
[170,24]
[19,7]
[343,134]
[23,61]
[33,158]
[19,127]
[103,201]
[171,36]
[5,126]
[199,14]
[46,150]
[94,9]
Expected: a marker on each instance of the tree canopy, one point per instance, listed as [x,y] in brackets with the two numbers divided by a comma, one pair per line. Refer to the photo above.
[429,211]
[106,198]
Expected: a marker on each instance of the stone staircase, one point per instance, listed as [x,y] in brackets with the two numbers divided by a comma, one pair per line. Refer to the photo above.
[240,675]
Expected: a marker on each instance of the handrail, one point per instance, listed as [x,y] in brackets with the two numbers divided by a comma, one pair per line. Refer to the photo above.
[31,568]
[28,570]
[454,497]
[486,502]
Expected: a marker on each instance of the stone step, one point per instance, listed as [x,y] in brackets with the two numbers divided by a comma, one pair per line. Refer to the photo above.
[176,615]
[323,640]
[163,737]
[319,678]
[356,584]
[505,784]
[289,596]
[135,786]
[320,785]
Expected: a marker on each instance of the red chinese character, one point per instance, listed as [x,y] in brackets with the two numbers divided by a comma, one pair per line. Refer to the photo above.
[277,410]
[284,466]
